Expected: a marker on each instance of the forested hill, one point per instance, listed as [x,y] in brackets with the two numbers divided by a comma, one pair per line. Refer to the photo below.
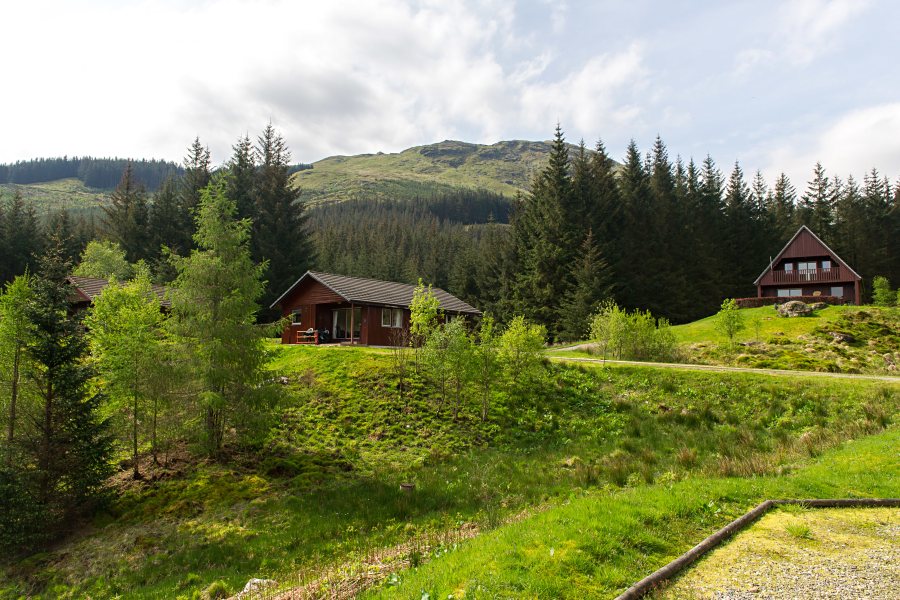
[505,168]
[98,173]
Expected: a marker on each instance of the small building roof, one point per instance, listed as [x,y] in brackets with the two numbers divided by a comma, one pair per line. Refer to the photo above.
[361,290]
[91,287]
[803,228]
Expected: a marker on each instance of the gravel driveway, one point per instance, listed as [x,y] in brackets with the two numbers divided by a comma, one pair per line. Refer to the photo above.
[817,553]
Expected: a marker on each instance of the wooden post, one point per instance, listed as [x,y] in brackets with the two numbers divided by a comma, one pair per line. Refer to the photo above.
[351,323]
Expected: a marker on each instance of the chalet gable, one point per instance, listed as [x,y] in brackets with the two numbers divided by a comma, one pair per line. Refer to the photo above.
[803,244]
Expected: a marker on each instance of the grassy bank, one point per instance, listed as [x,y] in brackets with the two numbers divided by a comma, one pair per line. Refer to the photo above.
[598,544]
[320,486]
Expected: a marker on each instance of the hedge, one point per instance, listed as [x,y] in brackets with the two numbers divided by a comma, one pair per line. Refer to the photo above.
[770,300]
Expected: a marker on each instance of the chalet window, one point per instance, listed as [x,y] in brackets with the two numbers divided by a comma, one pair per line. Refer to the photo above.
[392,317]
[788,267]
[789,293]
[837,291]
[826,265]
[296,316]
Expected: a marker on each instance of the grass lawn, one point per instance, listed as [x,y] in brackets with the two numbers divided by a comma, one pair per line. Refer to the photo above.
[320,486]
[770,324]
[597,544]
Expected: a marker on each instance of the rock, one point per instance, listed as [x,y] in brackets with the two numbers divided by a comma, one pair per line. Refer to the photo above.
[794,308]
[817,306]
[841,337]
[888,358]
[255,586]
[571,462]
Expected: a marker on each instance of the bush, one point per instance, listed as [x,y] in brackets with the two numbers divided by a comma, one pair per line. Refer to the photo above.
[882,294]
[729,321]
[632,336]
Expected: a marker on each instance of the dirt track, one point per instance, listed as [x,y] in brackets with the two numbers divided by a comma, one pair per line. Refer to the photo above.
[719,368]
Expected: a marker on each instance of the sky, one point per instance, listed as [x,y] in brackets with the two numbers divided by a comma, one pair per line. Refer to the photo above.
[775,85]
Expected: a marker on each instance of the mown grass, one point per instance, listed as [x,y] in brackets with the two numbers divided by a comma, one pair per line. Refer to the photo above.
[598,544]
[770,324]
[321,486]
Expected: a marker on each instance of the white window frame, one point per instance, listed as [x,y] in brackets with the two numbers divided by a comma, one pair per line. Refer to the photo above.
[788,292]
[392,318]
[296,316]
[840,288]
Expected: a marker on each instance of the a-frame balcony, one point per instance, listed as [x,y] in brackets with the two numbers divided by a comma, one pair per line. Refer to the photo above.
[832,274]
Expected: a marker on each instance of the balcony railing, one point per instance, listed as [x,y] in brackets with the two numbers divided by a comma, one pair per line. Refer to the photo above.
[807,275]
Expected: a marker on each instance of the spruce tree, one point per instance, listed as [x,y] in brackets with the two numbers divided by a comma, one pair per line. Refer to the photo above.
[243,178]
[279,229]
[20,238]
[127,217]
[167,227]
[214,304]
[816,209]
[67,456]
[591,284]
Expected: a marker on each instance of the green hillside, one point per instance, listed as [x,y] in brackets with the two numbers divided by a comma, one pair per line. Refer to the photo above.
[70,194]
[317,495]
[504,167]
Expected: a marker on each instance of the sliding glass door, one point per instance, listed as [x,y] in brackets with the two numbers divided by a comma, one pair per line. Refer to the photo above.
[343,319]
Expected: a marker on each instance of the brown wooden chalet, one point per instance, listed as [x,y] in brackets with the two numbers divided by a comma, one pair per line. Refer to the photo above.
[806,266]
[323,307]
[88,288]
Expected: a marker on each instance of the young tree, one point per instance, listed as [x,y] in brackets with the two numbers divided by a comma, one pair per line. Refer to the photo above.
[104,260]
[882,295]
[486,363]
[214,304]
[66,456]
[730,320]
[608,328]
[460,357]
[126,329]
[15,333]
[521,353]
[435,358]
[424,316]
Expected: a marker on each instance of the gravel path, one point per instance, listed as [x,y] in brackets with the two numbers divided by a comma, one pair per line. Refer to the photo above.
[791,554]
[725,369]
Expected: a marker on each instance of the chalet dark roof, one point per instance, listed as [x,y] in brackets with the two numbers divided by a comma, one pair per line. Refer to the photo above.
[803,228]
[383,293]
[89,288]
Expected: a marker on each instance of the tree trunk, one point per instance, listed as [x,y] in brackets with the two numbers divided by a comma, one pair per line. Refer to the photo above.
[134,436]
[47,437]
[153,449]
[10,436]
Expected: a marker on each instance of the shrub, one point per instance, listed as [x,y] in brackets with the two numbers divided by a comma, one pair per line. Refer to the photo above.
[632,336]
[882,294]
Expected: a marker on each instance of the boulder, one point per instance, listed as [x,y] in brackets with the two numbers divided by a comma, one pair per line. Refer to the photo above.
[255,587]
[794,308]
[841,337]
[817,306]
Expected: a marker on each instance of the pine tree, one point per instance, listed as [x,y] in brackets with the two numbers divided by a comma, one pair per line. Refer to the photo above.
[20,238]
[279,229]
[214,304]
[591,284]
[633,277]
[816,209]
[242,182]
[542,233]
[782,209]
[166,224]
[127,217]
[196,177]
[69,451]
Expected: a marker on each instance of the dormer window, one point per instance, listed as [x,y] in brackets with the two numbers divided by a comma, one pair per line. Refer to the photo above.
[788,267]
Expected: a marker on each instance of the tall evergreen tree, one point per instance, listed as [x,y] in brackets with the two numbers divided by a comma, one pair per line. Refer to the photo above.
[166,224]
[279,230]
[816,209]
[543,237]
[591,283]
[213,307]
[128,216]
[20,238]
[242,183]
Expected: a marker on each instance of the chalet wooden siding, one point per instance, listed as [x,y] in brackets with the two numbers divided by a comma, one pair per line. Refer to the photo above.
[349,309]
[806,266]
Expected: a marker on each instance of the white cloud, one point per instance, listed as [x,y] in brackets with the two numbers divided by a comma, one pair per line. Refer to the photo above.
[852,145]
[143,78]
[803,31]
